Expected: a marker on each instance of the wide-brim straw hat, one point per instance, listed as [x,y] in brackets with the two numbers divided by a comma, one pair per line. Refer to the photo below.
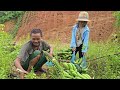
[83,16]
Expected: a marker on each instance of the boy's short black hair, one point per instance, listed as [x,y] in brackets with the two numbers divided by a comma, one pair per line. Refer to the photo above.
[36,31]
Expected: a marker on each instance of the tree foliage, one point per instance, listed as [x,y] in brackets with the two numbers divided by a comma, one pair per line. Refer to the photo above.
[8,15]
[117,25]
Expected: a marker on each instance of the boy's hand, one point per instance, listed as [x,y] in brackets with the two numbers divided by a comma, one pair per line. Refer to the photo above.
[23,71]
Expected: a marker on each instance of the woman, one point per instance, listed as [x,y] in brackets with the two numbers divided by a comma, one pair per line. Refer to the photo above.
[80,35]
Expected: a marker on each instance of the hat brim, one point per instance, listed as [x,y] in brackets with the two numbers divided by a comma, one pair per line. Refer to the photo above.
[82,20]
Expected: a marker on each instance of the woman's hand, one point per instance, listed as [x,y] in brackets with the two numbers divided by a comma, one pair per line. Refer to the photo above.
[73,49]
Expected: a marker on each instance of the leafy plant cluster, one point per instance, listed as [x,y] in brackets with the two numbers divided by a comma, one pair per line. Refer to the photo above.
[8,15]
[104,60]
[8,53]
[116,36]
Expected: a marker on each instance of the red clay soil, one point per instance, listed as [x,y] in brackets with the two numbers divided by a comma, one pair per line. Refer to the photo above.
[58,24]
[9,25]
